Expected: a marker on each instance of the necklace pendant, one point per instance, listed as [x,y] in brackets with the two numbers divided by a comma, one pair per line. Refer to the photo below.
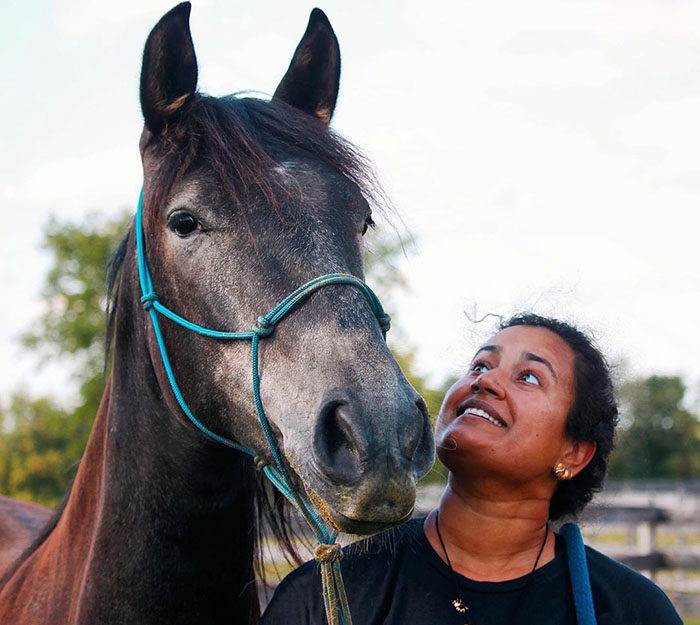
[458,605]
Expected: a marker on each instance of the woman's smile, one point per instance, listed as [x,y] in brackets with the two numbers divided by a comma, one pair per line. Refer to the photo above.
[479,409]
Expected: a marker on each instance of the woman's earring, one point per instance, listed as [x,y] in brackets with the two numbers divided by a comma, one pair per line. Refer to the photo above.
[561,472]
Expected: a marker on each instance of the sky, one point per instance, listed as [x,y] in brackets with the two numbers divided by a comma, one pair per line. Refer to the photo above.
[545,155]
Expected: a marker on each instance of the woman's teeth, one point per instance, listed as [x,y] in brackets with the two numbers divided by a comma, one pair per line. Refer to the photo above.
[484,415]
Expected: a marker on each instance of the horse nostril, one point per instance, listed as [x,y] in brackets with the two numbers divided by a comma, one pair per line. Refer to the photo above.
[337,448]
[423,407]
[416,432]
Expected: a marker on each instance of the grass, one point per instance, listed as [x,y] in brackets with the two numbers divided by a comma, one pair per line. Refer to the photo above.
[663,539]
[614,538]
[275,571]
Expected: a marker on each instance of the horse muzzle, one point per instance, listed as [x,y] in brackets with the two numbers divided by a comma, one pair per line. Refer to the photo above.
[365,461]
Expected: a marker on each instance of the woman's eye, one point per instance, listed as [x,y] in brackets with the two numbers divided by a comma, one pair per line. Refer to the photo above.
[479,367]
[530,378]
[369,223]
[183,224]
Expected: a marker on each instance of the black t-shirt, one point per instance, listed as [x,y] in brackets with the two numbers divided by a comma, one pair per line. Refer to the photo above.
[396,578]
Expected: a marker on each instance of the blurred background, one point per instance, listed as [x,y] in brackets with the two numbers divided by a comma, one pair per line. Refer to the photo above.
[540,156]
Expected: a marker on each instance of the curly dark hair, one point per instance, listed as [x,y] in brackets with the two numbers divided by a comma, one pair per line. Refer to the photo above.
[593,416]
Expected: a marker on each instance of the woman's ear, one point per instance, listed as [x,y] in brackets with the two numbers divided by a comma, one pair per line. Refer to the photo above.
[577,456]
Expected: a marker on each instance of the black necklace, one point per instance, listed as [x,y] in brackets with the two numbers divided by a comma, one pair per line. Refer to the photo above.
[457,602]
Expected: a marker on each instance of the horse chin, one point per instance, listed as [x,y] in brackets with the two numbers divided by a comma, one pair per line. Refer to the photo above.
[348,525]
[363,510]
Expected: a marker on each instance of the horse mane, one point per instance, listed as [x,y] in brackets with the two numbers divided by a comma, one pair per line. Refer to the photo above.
[236,138]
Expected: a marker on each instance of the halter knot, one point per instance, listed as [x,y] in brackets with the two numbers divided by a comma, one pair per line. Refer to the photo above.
[262,327]
[327,553]
[384,322]
[148,299]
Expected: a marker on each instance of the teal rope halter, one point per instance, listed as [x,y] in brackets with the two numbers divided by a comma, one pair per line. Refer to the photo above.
[327,553]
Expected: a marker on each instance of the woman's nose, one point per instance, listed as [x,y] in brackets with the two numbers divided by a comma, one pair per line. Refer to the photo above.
[487,382]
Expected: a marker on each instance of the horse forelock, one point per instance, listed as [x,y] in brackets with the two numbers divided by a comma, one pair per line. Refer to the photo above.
[241,140]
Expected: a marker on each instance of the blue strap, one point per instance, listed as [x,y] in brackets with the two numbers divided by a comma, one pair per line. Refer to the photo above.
[578,571]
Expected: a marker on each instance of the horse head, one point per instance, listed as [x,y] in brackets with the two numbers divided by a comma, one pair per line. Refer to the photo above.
[244,201]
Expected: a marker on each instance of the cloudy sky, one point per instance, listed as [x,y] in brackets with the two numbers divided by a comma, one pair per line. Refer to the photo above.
[545,154]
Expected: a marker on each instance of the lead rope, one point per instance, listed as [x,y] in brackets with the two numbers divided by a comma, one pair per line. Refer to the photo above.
[335,601]
[327,552]
[578,572]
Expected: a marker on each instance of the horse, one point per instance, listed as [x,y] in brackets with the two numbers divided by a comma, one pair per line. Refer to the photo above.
[244,199]
[20,521]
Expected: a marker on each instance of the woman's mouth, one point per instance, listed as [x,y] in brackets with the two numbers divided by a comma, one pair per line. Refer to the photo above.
[468,408]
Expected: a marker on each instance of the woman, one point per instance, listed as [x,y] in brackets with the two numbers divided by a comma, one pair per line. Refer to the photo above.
[526,435]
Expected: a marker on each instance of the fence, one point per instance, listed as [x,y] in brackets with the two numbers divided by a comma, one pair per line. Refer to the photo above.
[655,531]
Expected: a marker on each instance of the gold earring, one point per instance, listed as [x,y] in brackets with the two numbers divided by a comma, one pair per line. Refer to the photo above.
[561,472]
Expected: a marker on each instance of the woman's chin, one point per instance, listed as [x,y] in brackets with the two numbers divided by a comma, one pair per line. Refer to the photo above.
[463,436]
[463,451]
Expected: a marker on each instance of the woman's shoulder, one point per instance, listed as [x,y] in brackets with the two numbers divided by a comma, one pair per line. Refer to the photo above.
[369,567]
[605,570]
[619,590]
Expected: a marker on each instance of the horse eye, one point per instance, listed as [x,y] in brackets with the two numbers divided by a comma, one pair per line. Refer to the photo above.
[369,223]
[183,224]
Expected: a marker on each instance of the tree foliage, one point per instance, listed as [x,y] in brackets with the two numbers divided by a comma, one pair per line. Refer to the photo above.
[74,297]
[41,442]
[661,439]
[38,455]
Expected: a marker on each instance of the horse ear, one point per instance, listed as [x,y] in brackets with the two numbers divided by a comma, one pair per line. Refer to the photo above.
[312,80]
[169,70]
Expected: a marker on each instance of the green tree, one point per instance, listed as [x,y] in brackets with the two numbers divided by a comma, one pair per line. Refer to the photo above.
[660,439]
[39,454]
[72,324]
[41,442]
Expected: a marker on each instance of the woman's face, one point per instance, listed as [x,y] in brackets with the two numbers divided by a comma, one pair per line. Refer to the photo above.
[506,416]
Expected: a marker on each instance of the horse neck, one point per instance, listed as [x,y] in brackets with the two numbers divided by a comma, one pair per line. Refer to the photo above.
[159,525]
